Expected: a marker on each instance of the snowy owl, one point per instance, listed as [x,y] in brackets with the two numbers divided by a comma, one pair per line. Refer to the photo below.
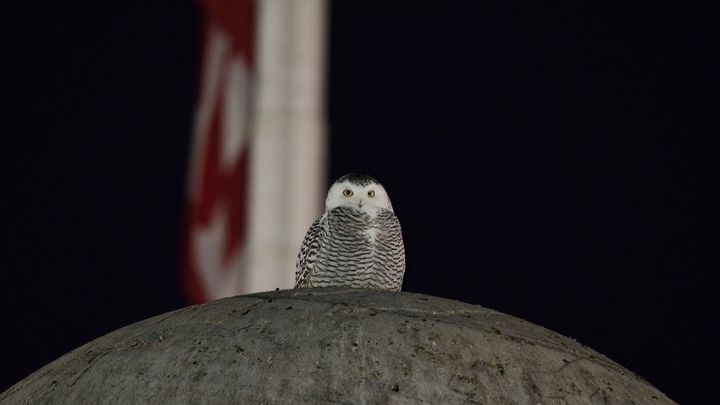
[356,242]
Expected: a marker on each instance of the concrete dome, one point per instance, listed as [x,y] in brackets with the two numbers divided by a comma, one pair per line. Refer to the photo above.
[334,346]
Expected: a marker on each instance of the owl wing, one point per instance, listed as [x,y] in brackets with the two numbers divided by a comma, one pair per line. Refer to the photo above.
[394,257]
[305,263]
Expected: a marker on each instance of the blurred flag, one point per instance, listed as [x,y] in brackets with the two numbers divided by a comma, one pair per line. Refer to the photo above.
[216,217]
[256,179]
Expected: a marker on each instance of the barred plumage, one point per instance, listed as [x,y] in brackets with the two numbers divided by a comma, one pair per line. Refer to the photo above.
[357,242]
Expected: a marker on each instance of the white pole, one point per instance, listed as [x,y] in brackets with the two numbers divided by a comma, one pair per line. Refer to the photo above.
[288,149]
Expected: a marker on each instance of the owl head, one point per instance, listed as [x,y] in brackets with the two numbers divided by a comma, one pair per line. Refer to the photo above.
[358,191]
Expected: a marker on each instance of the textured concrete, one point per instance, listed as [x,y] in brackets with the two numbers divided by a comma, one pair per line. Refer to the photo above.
[334,346]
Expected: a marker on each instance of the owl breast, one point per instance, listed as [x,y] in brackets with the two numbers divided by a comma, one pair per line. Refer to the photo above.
[360,250]
[371,234]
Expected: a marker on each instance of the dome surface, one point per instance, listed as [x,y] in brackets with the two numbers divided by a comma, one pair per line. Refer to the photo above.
[333,346]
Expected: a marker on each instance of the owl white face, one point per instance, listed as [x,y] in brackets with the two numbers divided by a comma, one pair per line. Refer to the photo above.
[370,197]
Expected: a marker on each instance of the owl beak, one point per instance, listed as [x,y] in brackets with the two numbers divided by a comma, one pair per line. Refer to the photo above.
[360,204]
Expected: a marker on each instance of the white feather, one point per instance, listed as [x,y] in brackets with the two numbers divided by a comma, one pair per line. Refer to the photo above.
[359,199]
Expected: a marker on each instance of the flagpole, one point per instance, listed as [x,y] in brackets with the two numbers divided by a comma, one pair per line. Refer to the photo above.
[288,148]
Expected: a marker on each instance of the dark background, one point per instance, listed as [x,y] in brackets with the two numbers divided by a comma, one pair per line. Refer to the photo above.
[545,160]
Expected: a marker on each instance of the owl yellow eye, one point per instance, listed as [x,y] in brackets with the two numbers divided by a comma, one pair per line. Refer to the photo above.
[371,193]
[347,193]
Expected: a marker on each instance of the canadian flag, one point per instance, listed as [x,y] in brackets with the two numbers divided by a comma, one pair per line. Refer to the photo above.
[216,222]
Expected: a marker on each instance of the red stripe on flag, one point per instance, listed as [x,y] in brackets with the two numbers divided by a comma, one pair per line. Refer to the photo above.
[219,187]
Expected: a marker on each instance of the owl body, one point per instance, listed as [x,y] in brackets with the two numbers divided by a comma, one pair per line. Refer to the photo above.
[357,242]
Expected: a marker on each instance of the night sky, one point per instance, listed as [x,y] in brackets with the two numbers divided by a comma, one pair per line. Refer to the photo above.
[544,160]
